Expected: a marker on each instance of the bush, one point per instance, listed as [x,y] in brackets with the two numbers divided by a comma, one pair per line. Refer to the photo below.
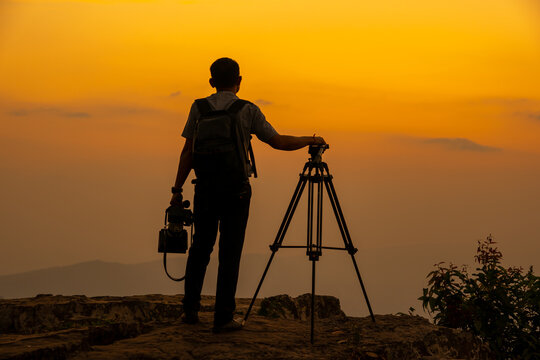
[500,305]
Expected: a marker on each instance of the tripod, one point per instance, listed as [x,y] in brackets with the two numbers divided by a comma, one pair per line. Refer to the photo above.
[315,172]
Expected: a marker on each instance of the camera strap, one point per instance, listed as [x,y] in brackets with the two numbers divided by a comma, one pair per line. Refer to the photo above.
[165,254]
[166,272]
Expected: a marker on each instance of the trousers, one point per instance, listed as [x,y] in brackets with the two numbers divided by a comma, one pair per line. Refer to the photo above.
[223,207]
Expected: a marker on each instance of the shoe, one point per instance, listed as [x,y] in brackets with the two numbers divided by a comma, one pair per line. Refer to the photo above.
[190,317]
[232,325]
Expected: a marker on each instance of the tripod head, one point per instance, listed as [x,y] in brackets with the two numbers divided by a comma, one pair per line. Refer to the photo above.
[316,152]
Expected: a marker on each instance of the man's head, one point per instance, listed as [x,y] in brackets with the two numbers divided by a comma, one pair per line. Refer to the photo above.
[225,75]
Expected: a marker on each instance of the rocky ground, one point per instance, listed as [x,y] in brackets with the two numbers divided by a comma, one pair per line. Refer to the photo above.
[149,327]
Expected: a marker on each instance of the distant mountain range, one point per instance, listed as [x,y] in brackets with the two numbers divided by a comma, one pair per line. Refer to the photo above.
[94,278]
[393,281]
[90,278]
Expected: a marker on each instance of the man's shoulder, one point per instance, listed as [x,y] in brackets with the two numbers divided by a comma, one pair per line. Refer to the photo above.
[225,100]
[247,103]
[253,112]
[251,105]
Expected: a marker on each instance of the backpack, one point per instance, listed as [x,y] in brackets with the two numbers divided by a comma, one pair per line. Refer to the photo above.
[220,151]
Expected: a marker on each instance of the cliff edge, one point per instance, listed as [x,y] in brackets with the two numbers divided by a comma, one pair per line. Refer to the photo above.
[149,327]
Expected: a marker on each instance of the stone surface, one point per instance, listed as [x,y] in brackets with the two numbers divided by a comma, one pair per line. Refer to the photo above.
[48,313]
[285,307]
[149,327]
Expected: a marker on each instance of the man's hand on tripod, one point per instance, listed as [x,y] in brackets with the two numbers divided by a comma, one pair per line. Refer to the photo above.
[318,140]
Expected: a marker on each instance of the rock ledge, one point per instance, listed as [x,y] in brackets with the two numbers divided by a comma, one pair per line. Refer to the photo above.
[149,327]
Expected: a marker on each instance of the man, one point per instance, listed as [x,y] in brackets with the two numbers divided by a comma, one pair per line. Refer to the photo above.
[222,201]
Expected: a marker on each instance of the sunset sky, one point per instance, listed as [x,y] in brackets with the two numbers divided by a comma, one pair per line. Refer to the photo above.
[431,109]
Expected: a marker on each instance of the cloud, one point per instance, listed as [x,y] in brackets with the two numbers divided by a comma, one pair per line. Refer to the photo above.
[263,102]
[48,110]
[534,116]
[32,110]
[509,100]
[175,94]
[76,114]
[459,144]
[522,108]
[81,112]
[18,112]
[527,114]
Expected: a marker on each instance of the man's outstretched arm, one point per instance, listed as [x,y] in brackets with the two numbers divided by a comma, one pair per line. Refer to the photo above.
[184,168]
[288,142]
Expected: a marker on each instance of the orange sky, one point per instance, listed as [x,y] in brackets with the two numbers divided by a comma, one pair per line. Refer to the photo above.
[432,110]
[421,68]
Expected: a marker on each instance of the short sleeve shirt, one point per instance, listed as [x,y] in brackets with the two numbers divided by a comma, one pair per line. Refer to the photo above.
[250,117]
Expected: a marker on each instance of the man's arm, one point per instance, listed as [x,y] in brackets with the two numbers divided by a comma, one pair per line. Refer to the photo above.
[184,168]
[288,142]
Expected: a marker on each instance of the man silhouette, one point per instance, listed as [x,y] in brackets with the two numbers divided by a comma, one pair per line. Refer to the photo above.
[224,202]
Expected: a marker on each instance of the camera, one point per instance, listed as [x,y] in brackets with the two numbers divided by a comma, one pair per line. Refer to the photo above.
[316,151]
[173,238]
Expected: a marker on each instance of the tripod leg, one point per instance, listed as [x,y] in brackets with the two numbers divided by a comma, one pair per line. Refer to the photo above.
[258,288]
[309,240]
[312,300]
[345,233]
[319,211]
[280,235]
[291,209]
[363,288]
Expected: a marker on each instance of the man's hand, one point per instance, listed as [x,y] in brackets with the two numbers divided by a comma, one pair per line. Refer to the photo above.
[177,199]
[318,140]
